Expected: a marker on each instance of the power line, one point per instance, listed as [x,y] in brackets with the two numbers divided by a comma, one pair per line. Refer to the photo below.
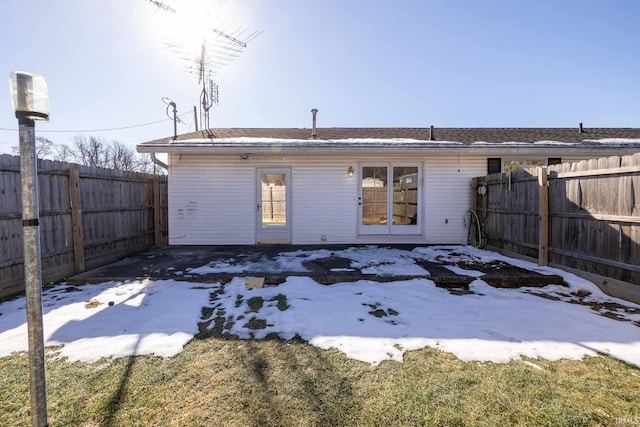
[101,130]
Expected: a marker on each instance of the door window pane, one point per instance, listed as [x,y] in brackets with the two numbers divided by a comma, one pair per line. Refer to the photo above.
[274,200]
[405,195]
[374,195]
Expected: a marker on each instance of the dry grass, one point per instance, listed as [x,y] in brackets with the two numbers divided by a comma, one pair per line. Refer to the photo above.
[232,382]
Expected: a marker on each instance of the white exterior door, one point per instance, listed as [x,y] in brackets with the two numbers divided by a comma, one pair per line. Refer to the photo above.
[389,199]
[273,205]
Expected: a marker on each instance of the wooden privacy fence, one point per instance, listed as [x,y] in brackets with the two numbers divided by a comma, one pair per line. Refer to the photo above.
[88,217]
[583,215]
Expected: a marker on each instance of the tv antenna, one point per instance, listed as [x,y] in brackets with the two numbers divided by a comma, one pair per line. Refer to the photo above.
[218,47]
[162,6]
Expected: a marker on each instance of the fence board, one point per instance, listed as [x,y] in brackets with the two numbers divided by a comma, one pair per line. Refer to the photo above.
[594,215]
[88,217]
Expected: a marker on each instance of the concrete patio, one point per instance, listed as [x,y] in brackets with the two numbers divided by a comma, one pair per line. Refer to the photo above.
[326,266]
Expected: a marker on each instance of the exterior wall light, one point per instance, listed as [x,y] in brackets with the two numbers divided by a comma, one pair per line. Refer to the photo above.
[30,100]
[350,171]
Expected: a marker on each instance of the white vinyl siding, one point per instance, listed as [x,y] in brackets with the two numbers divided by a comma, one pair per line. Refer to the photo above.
[324,203]
[212,199]
[210,202]
[447,191]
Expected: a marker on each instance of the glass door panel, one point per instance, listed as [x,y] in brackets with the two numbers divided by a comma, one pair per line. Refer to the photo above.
[273,212]
[374,197]
[274,199]
[405,195]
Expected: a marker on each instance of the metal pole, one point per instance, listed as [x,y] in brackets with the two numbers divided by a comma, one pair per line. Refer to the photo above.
[175,121]
[32,271]
[195,117]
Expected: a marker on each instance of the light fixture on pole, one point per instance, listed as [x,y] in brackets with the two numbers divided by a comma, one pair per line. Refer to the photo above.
[31,102]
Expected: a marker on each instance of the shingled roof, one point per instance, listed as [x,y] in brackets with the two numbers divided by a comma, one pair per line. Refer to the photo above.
[461,135]
[401,140]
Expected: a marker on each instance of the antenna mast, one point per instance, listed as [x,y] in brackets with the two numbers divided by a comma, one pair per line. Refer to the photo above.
[162,6]
[215,51]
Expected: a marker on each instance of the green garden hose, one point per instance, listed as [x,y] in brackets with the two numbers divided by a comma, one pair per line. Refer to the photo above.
[480,240]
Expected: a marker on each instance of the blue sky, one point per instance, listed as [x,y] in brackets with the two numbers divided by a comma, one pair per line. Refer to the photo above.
[411,63]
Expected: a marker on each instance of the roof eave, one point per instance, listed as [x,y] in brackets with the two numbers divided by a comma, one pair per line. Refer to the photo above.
[491,149]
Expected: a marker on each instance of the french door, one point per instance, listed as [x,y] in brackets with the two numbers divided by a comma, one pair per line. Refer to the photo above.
[389,198]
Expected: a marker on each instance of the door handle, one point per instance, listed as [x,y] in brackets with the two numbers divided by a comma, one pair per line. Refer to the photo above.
[258,207]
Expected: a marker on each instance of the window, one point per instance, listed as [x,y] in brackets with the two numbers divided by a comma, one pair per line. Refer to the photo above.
[554,161]
[494,165]
[389,199]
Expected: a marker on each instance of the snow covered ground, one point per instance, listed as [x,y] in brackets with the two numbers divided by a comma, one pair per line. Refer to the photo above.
[368,321]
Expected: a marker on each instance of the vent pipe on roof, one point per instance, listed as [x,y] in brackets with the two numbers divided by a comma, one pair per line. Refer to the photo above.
[432,135]
[580,129]
[175,119]
[314,133]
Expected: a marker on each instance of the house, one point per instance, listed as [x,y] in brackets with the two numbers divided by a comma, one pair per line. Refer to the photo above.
[351,185]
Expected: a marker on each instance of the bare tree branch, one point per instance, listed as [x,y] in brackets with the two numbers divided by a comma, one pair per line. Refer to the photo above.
[63,153]
[93,151]
[44,147]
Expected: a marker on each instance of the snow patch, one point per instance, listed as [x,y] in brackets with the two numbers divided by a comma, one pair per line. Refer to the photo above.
[368,321]
[615,141]
[136,318]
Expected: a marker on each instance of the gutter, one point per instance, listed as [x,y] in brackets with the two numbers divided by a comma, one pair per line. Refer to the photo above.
[157,161]
[496,149]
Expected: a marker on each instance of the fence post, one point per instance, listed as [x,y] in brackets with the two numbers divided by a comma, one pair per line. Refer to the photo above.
[76,218]
[543,211]
[156,212]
